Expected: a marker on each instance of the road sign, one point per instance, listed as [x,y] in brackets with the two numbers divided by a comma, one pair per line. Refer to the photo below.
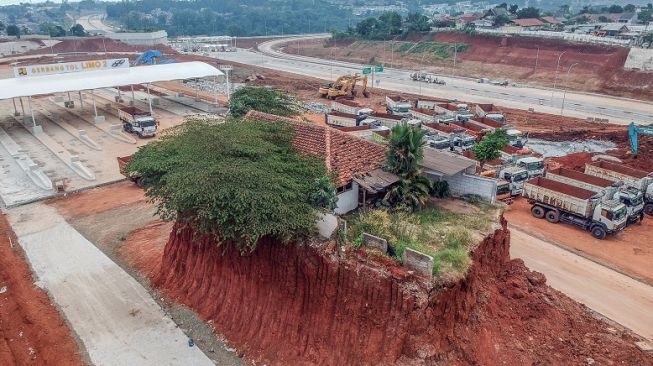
[379,69]
[367,70]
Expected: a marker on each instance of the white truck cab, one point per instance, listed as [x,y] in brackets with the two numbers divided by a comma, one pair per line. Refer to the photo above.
[534,166]
[516,176]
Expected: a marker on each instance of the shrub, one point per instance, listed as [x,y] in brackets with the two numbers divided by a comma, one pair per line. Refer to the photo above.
[237,180]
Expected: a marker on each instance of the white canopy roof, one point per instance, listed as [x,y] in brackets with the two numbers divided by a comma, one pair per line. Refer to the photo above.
[47,84]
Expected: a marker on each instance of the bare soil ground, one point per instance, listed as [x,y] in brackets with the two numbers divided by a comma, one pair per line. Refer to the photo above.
[131,234]
[630,252]
[599,69]
[32,331]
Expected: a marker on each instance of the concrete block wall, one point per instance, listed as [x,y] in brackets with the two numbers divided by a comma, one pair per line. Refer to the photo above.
[461,184]
[640,58]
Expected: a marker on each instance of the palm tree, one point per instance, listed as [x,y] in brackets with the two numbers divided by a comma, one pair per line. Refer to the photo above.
[405,153]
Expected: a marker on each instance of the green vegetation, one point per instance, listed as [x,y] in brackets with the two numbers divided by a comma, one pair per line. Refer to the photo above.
[231,17]
[238,180]
[488,148]
[405,153]
[388,25]
[444,235]
[440,50]
[263,100]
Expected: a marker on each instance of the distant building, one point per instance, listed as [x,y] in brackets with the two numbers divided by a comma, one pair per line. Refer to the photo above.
[148,39]
[530,24]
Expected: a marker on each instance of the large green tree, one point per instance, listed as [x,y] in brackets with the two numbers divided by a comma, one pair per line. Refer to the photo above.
[530,12]
[263,100]
[238,180]
[404,157]
[488,148]
[13,30]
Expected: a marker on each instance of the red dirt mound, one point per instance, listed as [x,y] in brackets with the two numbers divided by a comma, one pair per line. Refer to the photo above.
[96,44]
[32,332]
[522,51]
[302,304]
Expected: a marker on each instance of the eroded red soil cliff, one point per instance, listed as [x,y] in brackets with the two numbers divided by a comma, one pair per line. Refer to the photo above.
[303,304]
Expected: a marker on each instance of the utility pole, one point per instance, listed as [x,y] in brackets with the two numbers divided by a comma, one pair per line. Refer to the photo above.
[564,95]
[555,78]
[537,58]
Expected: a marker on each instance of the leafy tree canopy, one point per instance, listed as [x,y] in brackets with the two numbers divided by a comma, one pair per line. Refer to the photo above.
[239,180]
[488,148]
[405,153]
[263,100]
[77,30]
[529,12]
[13,30]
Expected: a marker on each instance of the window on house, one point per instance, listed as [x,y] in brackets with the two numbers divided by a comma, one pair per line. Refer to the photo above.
[345,188]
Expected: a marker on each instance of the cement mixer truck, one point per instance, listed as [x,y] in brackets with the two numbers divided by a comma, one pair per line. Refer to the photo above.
[559,202]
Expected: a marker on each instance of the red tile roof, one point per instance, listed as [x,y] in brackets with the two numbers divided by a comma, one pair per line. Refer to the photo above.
[344,154]
[551,20]
[529,22]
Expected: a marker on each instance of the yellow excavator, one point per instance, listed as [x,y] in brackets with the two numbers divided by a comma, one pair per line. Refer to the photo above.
[324,89]
[345,87]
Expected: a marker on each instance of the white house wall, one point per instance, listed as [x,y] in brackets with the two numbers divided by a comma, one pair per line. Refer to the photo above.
[348,200]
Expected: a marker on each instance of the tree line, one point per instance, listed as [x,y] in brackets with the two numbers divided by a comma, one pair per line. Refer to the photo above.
[230,17]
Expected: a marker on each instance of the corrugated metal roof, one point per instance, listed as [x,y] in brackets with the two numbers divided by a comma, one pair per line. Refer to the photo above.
[376,181]
[445,163]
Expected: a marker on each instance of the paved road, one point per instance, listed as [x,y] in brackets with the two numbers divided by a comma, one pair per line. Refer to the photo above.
[94,23]
[617,110]
[113,315]
[609,293]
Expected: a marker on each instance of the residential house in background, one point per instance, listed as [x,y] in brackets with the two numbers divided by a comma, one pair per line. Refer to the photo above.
[529,24]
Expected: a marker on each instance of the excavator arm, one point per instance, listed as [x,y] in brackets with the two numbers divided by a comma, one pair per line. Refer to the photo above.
[633,132]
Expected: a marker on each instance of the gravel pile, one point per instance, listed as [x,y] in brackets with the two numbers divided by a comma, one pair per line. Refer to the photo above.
[211,86]
[316,107]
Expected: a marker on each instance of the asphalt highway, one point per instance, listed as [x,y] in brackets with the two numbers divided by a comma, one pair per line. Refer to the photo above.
[583,105]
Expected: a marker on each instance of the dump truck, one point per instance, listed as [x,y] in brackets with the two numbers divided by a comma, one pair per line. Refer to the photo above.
[559,202]
[397,105]
[639,179]
[134,177]
[138,121]
[504,193]
[349,120]
[630,196]
[516,176]
[532,164]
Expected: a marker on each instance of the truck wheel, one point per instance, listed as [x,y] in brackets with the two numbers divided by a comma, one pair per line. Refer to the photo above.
[537,211]
[598,232]
[552,216]
[648,209]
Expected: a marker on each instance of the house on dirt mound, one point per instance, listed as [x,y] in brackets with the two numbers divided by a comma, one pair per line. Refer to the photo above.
[355,162]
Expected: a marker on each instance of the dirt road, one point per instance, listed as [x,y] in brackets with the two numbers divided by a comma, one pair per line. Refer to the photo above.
[613,295]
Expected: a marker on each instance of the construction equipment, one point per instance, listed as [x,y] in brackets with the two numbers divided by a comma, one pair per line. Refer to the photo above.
[152,57]
[532,164]
[134,177]
[397,105]
[137,121]
[630,196]
[633,132]
[344,87]
[347,87]
[640,179]
[559,202]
